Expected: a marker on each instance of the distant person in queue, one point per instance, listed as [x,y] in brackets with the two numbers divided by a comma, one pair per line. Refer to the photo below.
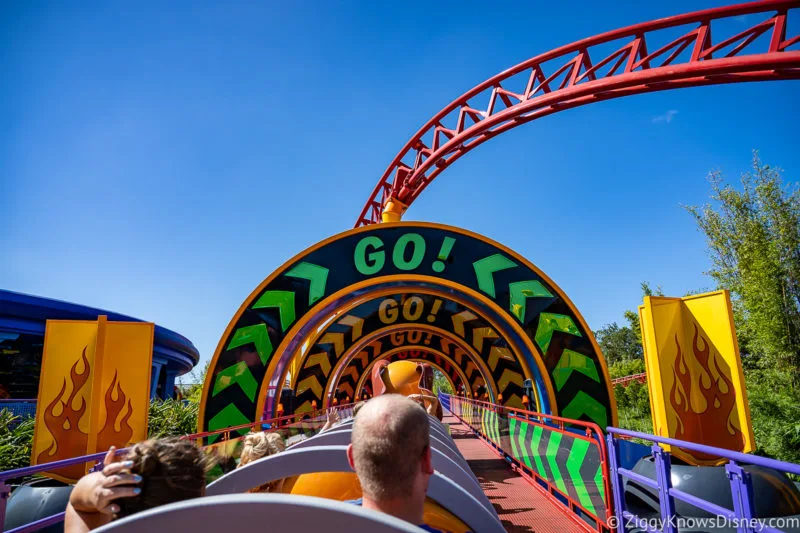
[152,473]
[391,455]
[257,446]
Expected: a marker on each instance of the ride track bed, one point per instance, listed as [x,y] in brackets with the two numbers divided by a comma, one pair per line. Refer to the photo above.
[522,506]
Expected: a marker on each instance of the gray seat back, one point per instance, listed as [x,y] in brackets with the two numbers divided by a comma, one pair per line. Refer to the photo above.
[250,513]
[339,437]
[462,496]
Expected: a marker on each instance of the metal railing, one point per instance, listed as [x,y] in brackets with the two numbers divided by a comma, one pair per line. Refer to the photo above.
[743,513]
[530,442]
[310,421]
[627,380]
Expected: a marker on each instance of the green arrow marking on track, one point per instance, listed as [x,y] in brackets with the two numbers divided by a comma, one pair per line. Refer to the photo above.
[230,416]
[537,437]
[573,362]
[582,404]
[552,450]
[236,374]
[574,462]
[317,275]
[283,300]
[520,291]
[525,453]
[485,269]
[550,322]
[598,481]
[258,335]
[513,428]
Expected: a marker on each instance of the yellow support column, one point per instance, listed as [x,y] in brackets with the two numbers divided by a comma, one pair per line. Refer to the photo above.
[393,210]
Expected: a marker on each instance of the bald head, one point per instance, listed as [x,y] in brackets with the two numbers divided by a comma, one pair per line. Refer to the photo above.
[390,435]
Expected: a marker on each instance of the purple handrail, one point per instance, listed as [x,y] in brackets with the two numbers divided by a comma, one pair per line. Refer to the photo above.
[711,450]
[740,481]
[44,467]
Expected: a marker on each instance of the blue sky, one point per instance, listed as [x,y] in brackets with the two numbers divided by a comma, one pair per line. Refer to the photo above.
[161,161]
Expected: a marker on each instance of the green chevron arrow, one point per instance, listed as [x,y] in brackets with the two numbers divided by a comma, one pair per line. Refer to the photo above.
[520,291]
[258,335]
[228,417]
[283,300]
[598,481]
[316,275]
[525,454]
[550,322]
[552,451]
[536,438]
[574,463]
[583,404]
[513,433]
[571,362]
[236,374]
[485,269]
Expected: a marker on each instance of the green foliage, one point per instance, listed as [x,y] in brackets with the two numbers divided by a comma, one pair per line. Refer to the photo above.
[620,369]
[16,440]
[753,237]
[618,344]
[624,343]
[633,407]
[170,418]
[441,383]
[775,410]
[193,390]
[633,316]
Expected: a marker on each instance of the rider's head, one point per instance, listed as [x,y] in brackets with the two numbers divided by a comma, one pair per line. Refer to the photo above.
[390,450]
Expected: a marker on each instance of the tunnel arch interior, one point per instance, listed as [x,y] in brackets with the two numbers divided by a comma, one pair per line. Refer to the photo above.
[329,304]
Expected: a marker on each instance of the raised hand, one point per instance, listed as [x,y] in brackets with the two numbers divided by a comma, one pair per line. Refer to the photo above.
[96,492]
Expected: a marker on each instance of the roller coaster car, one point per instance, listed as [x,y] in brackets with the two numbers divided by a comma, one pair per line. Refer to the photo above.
[318,467]
[775,494]
[251,512]
[407,378]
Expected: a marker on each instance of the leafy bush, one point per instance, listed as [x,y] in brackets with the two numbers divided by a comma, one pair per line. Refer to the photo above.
[172,418]
[441,383]
[16,440]
[620,369]
[775,411]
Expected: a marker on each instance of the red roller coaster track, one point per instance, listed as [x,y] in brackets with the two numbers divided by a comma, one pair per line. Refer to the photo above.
[573,75]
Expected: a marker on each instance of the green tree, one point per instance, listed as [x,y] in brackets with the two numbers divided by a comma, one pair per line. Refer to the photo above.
[633,316]
[624,343]
[618,343]
[753,237]
[441,383]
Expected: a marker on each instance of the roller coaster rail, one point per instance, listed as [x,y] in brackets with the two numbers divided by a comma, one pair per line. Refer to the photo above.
[627,380]
[536,88]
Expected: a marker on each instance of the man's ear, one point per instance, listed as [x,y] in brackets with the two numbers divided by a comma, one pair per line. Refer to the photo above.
[350,457]
[427,462]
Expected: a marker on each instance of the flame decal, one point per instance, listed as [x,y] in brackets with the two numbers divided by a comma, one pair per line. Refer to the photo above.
[68,438]
[704,407]
[110,435]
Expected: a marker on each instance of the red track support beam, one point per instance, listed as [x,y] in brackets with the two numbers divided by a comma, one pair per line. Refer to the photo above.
[578,74]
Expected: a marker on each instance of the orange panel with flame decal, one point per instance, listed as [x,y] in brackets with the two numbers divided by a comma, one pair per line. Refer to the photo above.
[695,377]
[94,389]
[125,382]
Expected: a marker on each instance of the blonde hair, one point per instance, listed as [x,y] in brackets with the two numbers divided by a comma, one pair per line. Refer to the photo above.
[257,446]
[261,444]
